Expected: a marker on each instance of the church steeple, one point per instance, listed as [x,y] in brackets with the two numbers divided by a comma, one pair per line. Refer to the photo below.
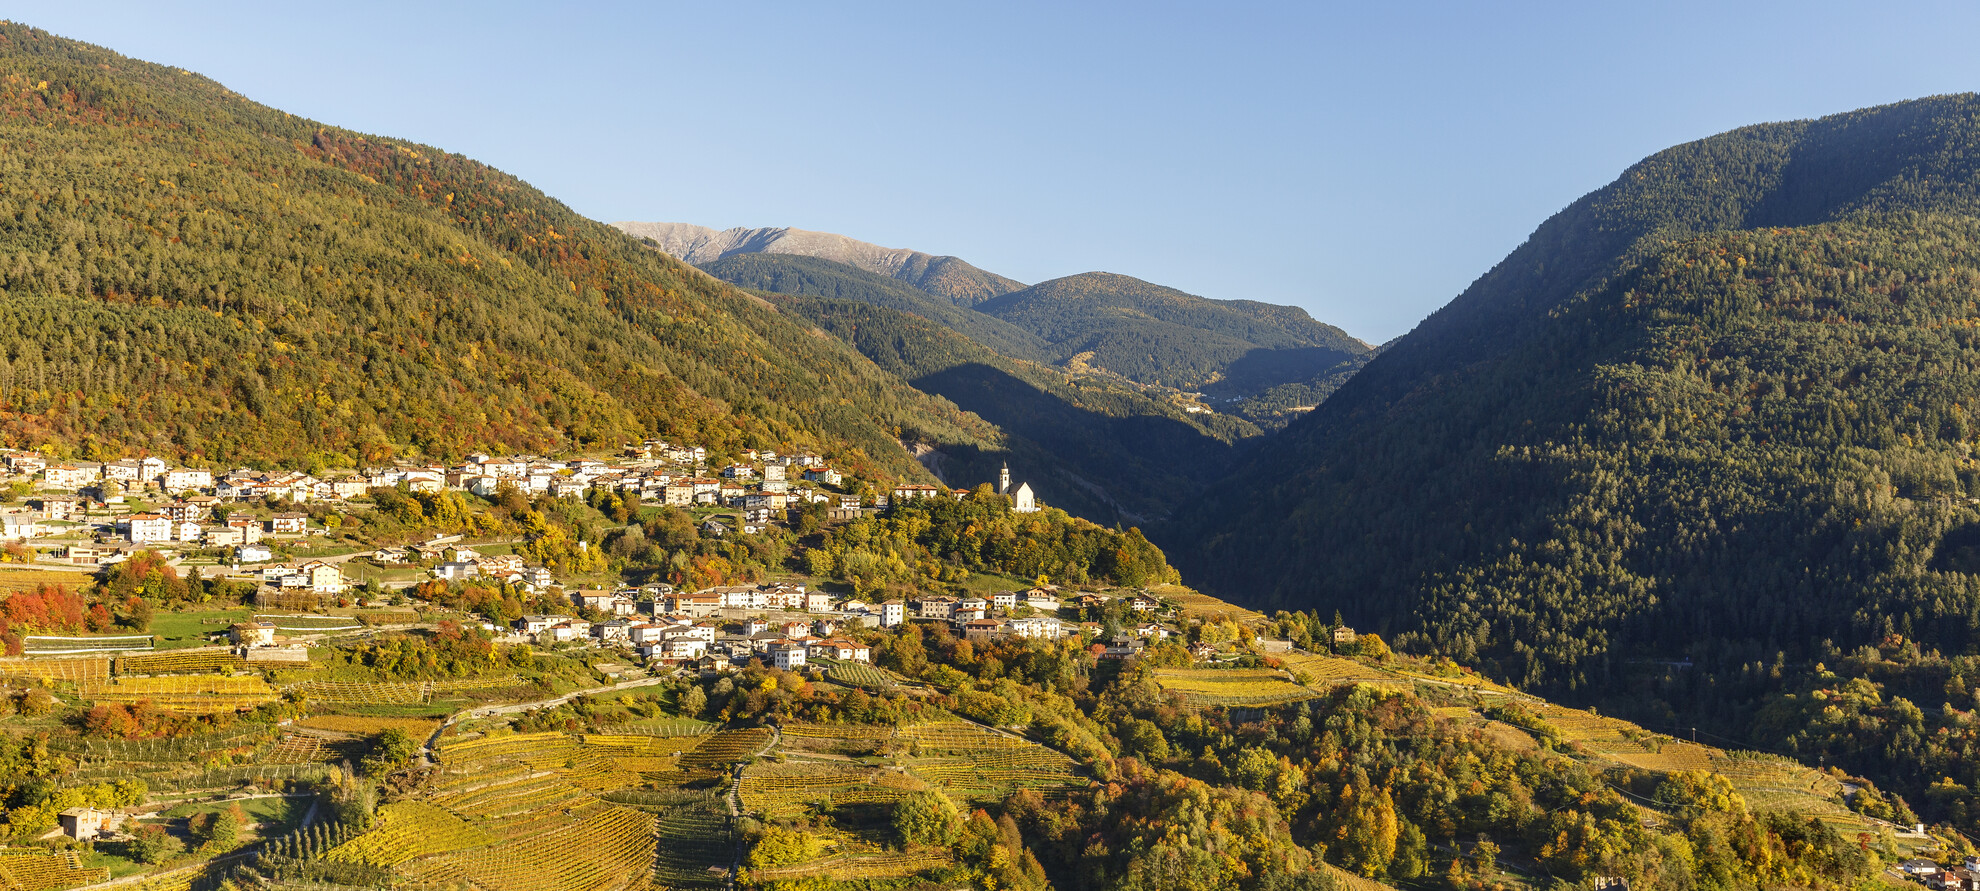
[1004,480]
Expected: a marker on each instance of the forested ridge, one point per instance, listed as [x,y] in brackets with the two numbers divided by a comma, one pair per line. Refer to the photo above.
[1716,411]
[816,277]
[1157,335]
[191,274]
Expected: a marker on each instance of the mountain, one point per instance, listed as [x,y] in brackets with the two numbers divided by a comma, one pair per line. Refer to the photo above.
[1715,414]
[945,277]
[1152,334]
[1097,448]
[818,277]
[191,274]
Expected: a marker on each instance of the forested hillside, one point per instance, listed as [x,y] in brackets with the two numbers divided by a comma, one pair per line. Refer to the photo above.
[815,277]
[1717,411]
[1157,335]
[1098,448]
[192,274]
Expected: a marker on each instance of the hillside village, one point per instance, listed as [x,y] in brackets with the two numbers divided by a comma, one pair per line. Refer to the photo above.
[88,515]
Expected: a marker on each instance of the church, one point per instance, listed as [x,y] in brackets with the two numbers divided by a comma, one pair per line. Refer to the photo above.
[1022,501]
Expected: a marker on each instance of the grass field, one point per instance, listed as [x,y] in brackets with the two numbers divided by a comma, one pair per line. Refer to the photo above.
[191,628]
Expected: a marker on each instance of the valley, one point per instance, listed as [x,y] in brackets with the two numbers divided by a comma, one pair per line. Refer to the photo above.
[371,519]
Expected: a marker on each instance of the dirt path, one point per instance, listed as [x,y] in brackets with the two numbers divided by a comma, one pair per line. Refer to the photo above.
[433,740]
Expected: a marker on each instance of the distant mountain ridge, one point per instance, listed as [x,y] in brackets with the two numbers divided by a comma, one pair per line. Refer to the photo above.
[947,277]
[1160,335]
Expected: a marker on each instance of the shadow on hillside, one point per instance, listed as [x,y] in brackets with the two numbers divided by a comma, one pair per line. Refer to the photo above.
[1145,465]
[1263,369]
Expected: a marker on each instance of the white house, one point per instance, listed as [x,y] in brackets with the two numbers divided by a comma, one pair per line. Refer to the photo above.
[149,528]
[787,656]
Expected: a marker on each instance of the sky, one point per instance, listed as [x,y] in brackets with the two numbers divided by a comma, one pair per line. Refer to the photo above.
[1365,161]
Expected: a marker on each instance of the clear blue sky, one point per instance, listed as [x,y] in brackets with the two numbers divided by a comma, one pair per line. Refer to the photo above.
[1363,160]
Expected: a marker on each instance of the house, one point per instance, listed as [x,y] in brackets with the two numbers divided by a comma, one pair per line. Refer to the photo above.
[935,607]
[85,823]
[1143,603]
[253,554]
[825,475]
[1918,867]
[186,479]
[698,604]
[817,602]
[70,476]
[248,527]
[20,525]
[756,626]
[712,664]
[685,648]
[841,649]
[909,492]
[972,603]
[149,528]
[1038,627]
[54,508]
[187,531]
[971,614]
[983,629]
[184,511]
[1342,635]
[126,471]
[1151,631]
[288,524]
[454,572]
[738,596]
[1004,599]
[252,634]
[787,656]
[892,612]
[537,624]
[82,556]
[593,598]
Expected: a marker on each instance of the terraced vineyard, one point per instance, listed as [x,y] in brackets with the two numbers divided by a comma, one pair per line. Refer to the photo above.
[696,844]
[366,725]
[35,870]
[789,790]
[857,867]
[1327,671]
[973,762]
[1213,687]
[519,812]
[295,749]
[726,747]
[193,693]
[410,829]
[181,662]
[396,693]
[858,674]
[75,670]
